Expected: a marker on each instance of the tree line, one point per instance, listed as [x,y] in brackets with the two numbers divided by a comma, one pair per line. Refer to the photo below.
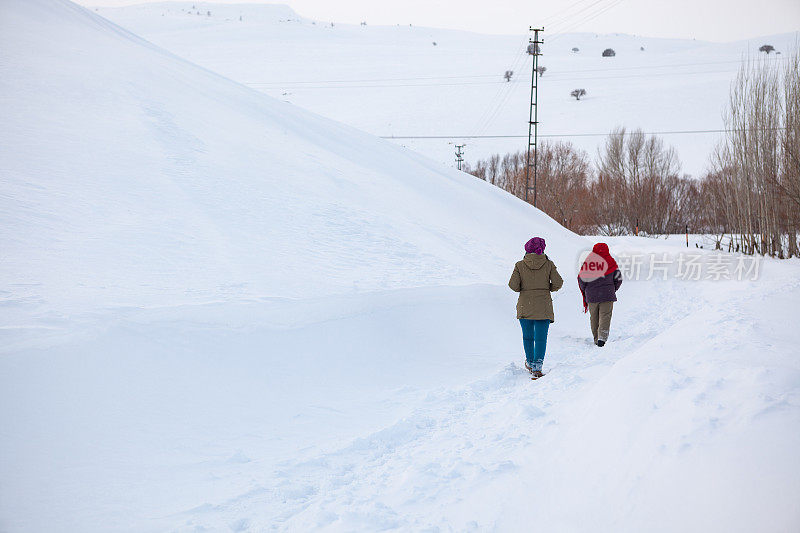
[749,199]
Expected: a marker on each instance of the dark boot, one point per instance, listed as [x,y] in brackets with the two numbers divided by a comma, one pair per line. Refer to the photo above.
[601,343]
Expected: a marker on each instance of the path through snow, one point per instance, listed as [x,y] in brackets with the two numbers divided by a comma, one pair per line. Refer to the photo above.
[610,439]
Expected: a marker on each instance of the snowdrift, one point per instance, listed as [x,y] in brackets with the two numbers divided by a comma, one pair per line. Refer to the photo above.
[134,177]
[189,263]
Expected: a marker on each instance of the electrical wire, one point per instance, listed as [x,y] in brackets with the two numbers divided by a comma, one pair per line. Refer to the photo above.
[566,135]
[566,30]
[557,76]
[502,95]
[468,76]
[504,100]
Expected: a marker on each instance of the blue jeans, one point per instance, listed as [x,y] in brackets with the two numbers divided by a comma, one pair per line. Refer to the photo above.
[534,339]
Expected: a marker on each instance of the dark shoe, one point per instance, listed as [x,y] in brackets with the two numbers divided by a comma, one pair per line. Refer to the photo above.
[601,343]
[536,374]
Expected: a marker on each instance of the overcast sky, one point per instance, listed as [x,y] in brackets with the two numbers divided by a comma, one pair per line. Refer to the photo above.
[714,20]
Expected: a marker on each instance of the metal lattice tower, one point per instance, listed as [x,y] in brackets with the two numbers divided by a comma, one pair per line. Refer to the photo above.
[533,118]
[459,154]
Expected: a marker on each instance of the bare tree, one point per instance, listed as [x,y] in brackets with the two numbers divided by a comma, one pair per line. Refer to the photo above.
[541,70]
[577,93]
[609,52]
[493,169]
[562,179]
[767,48]
[648,175]
[508,75]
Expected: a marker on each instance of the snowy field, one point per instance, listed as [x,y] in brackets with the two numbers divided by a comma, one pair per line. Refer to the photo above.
[221,312]
[392,80]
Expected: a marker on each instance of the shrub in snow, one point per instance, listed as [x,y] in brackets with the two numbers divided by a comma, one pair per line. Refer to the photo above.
[767,48]
[575,50]
[577,93]
[434,43]
[609,52]
[508,75]
[541,70]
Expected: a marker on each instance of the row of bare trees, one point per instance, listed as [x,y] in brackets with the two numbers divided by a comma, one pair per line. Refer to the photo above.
[756,169]
[635,185]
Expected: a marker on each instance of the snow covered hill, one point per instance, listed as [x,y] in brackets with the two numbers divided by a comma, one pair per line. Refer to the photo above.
[144,164]
[221,312]
[394,81]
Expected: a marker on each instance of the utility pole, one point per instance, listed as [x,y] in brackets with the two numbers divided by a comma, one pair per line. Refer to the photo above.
[533,117]
[459,154]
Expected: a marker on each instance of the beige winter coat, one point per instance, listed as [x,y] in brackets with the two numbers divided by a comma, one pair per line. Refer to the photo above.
[534,278]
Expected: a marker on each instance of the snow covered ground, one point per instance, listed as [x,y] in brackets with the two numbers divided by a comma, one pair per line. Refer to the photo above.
[222,312]
[392,80]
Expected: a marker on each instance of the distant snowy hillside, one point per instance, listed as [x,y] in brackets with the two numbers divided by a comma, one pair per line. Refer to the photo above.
[393,80]
[221,312]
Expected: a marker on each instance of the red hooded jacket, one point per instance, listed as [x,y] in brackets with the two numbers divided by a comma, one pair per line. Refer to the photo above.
[599,285]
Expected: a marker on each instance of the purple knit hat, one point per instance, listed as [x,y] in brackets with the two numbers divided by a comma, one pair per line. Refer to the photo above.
[535,246]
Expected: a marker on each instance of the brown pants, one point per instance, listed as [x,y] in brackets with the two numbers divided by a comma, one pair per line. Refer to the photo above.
[600,318]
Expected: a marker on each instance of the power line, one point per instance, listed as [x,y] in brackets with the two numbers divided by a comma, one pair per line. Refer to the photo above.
[504,98]
[664,65]
[466,76]
[586,19]
[373,79]
[453,84]
[555,21]
[500,96]
[674,132]
[533,117]
[566,21]
[498,102]
[558,17]
[460,155]
[648,75]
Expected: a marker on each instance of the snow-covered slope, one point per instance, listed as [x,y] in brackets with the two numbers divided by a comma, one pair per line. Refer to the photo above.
[167,178]
[183,255]
[394,81]
[222,312]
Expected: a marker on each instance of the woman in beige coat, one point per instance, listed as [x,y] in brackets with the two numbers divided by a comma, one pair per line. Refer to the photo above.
[534,278]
